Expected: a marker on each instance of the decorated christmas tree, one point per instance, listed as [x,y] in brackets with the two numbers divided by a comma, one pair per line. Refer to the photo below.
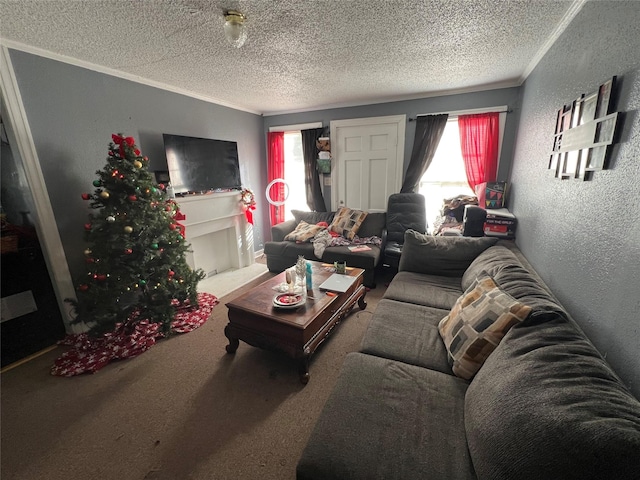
[136,265]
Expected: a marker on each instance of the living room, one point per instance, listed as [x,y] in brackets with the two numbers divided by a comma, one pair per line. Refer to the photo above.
[582,237]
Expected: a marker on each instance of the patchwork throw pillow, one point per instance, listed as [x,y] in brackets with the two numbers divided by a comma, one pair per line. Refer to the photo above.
[303,232]
[347,222]
[477,323]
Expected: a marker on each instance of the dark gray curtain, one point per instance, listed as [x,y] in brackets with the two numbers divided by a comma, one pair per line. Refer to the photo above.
[429,129]
[315,200]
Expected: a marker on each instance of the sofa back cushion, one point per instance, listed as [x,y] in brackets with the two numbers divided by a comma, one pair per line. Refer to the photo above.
[446,256]
[546,405]
[373,225]
[312,217]
[511,276]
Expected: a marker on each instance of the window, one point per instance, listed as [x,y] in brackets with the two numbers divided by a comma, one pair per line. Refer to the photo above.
[294,166]
[446,176]
[294,174]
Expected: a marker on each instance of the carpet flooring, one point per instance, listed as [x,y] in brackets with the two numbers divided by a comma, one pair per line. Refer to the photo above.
[185,409]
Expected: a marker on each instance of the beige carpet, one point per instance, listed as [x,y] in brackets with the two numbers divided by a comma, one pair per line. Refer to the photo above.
[182,410]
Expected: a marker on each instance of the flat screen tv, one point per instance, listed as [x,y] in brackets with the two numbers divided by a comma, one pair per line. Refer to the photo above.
[201,165]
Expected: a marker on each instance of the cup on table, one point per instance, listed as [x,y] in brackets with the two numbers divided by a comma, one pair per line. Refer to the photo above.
[341,267]
[290,278]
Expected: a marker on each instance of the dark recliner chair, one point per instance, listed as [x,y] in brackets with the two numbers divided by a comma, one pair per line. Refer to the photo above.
[404,211]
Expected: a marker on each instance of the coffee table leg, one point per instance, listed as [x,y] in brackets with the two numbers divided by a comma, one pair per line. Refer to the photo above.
[303,367]
[362,303]
[233,342]
[303,371]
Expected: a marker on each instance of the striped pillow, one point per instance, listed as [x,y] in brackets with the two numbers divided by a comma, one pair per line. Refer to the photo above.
[476,324]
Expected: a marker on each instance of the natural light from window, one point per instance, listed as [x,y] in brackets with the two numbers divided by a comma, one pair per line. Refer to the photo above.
[446,176]
[294,174]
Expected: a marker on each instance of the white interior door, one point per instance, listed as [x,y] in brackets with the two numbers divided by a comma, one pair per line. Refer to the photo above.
[368,160]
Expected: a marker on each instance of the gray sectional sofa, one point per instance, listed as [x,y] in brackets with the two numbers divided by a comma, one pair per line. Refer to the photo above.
[543,405]
[282,254]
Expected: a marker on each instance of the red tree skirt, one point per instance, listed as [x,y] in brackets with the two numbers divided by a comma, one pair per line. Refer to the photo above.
[90,354]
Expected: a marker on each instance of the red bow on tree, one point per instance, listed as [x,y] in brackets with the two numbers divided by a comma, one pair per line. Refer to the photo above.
[120,140]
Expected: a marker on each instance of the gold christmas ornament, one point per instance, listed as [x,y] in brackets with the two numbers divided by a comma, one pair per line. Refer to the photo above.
[104,194]
[137,164]
[128,229]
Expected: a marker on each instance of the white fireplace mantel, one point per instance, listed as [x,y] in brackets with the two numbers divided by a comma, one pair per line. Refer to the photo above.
[216,227]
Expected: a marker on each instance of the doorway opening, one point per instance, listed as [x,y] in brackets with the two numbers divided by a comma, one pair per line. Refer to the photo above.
[31,320]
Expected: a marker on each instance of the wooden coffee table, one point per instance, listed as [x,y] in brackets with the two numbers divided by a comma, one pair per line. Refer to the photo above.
[295,332]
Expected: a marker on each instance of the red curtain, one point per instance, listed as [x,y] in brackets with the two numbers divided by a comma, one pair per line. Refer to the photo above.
[479,144]
[275,169]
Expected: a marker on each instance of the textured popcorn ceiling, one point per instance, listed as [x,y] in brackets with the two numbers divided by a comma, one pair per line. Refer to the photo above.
[300,54]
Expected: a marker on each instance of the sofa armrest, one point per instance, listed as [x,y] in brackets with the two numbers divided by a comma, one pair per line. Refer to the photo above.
[383,237]
[279,231]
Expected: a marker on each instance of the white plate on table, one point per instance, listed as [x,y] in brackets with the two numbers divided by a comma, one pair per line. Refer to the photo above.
[288,300]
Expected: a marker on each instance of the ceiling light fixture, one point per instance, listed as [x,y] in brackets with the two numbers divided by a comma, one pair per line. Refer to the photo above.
[234,28]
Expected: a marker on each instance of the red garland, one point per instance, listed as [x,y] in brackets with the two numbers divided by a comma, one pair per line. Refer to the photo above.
[90,354]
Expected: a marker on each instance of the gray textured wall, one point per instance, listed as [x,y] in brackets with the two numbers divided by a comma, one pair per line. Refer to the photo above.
[72,113]
[584,237]
[411,108]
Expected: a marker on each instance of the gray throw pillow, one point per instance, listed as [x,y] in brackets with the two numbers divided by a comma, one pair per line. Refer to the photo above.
[436,255]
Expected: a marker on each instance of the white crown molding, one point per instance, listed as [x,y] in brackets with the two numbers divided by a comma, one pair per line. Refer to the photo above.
[23,145]
[116,73]
[568,17]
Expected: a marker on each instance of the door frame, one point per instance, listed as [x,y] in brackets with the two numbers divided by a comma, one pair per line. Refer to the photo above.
[24,148]
[399,120]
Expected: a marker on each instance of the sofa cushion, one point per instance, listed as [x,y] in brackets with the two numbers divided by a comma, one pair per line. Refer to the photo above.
[436,255]
[413,429]
[407,333]
[303,232]
[373,225]
[289,250]
[346,222]
[312,217]
[363,259]
[429,290]
[477,323]
[511,276]
[546,405]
